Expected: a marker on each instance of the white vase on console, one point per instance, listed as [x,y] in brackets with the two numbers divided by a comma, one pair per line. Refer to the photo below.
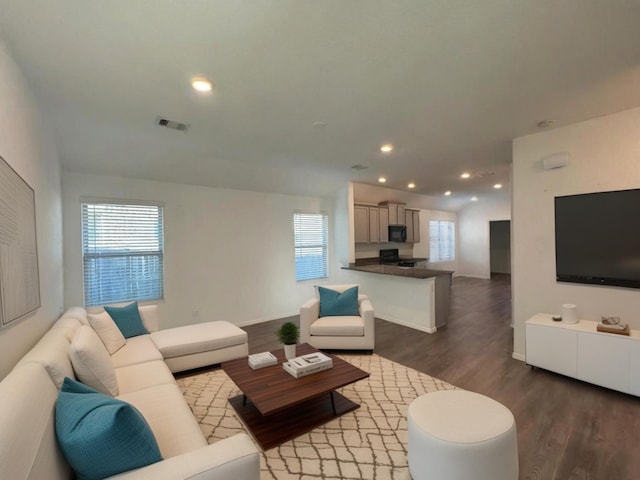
[569,313]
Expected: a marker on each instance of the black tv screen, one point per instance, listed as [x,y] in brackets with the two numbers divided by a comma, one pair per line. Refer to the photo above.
[598,238]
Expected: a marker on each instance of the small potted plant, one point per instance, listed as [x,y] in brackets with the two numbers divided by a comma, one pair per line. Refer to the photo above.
[289,334]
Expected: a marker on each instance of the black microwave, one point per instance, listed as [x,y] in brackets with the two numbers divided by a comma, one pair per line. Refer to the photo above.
[397,233]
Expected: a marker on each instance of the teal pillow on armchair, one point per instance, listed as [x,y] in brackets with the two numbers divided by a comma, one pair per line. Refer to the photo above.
[334,303]
[100,435]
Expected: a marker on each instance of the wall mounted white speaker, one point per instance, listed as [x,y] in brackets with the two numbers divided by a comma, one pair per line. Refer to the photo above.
[557,160]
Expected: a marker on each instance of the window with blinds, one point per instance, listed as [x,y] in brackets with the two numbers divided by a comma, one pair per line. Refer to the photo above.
[442,241]
[122,252]
[311,245]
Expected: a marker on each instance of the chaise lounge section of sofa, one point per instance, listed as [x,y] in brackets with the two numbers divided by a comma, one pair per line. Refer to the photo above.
[28,395]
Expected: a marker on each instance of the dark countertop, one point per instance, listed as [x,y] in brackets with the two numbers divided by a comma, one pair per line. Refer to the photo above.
[411,272]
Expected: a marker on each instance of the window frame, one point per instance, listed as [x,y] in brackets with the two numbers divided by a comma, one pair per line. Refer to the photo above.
[324,246]
[154,251]
[442,243]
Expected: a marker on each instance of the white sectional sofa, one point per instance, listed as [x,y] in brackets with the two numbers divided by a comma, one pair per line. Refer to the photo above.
[28,444]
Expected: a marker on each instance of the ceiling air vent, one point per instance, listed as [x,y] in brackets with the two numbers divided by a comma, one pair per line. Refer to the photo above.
[485,174]
[165,122]
[359,167]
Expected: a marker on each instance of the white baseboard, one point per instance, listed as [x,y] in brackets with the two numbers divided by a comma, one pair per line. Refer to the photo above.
[519,356]
[404,323]
[462,274]
[255,321]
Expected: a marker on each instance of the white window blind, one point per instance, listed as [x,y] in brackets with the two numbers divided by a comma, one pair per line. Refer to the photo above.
[122,252]
[311,245]
[442,241]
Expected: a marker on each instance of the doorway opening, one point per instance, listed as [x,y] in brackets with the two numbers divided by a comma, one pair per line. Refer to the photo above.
[500,247]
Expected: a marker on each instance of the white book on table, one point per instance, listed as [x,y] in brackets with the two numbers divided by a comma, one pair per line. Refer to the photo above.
[311,362]
[293,371]
[261,360]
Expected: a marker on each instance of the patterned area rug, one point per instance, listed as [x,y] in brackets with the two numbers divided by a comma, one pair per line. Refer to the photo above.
[370,442]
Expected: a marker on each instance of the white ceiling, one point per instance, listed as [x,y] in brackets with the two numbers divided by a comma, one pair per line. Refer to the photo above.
[448,82]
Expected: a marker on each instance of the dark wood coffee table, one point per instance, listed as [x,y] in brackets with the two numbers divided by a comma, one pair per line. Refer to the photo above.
[277,407]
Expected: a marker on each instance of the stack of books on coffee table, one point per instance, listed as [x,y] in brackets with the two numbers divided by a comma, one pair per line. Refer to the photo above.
[261,360]
[308,364]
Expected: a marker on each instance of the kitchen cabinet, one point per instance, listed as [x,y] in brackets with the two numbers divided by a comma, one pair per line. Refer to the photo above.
[361,223]
[374,225]
[396,214]
[412,221]
[371,224]
[580,351]
[384,225]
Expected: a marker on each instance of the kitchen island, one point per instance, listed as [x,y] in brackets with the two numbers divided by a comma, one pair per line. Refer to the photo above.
[414,297]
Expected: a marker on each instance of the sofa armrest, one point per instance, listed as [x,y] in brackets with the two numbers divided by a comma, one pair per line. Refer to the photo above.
[309,313]
[368,317]
[232,458]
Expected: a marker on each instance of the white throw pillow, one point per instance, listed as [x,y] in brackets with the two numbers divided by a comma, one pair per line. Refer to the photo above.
[108,331]
[92,363]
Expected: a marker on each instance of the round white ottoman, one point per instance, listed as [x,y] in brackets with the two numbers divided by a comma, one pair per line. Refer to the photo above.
[461,435]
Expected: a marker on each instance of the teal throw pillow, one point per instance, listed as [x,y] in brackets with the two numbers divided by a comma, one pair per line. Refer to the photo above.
[334,303]
[128,320]
[100,435]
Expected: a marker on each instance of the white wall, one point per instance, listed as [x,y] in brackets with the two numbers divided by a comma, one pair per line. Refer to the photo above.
[344,229]
[605,155]
[473,233]
[26,143]
[228,253]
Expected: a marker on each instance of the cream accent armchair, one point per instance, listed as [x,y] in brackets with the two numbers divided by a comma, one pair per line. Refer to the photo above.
[338,332]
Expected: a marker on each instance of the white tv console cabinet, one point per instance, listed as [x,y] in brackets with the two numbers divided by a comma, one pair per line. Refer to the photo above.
[580,351]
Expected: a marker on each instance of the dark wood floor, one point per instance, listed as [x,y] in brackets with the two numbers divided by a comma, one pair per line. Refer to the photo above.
[567,429]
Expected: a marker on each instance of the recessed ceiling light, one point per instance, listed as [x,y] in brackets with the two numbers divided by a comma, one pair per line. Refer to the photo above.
[474,199]
[386,148]
[497,185]
[411,185]
[201,84]
[382,180]
[447,193]
[465,175]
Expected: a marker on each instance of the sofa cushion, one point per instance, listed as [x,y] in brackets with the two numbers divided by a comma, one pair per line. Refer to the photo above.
[101,436]
[107,330]
[136,377]
[78,313]
[200,337]
[149,315]
[128,319]
[68,325]
[338,327]
[169,417]
[28,445]
[335,303]
[52,351]
[92,363]
[137,350]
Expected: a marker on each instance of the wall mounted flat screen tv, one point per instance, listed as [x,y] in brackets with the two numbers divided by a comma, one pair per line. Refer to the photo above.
[598,238]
